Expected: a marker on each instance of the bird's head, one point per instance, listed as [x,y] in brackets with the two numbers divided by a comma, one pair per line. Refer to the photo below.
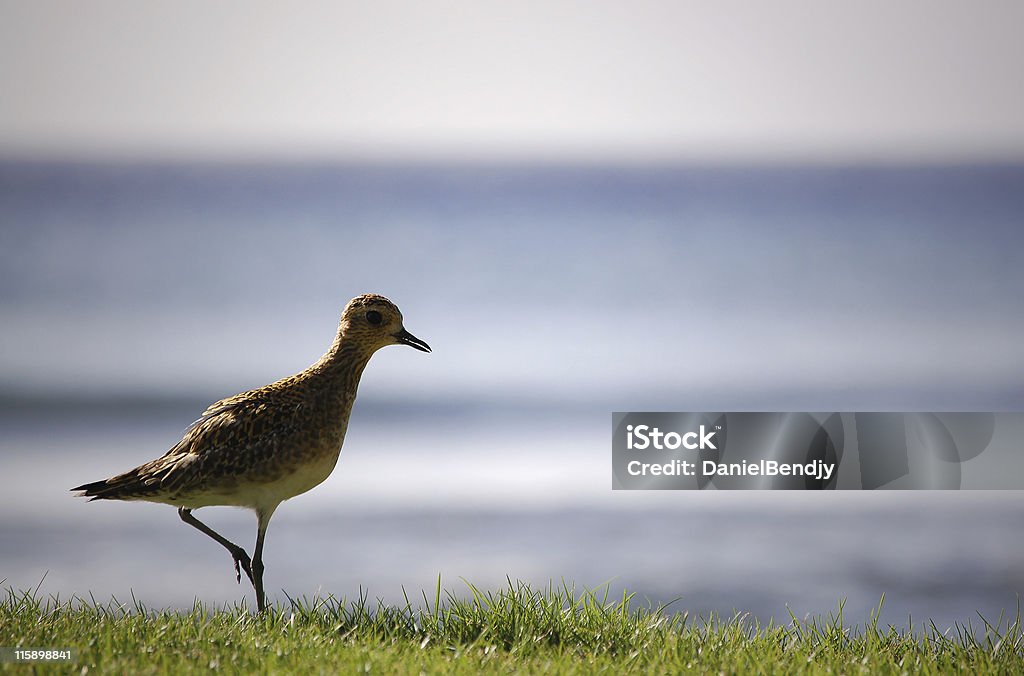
[376,322]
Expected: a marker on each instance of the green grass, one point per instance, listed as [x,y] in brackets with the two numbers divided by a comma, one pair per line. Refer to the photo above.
[517,629]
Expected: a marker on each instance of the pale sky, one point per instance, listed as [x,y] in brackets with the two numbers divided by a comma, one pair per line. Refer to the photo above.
[523,80]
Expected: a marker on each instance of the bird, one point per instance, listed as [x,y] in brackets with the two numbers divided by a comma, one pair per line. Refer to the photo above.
[261,447]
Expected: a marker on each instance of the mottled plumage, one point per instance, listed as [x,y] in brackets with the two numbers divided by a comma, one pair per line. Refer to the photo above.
[261,447]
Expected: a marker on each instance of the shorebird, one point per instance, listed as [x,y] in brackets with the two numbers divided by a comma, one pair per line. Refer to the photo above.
[261,447]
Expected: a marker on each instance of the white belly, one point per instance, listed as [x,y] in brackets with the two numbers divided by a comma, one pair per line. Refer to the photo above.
[266,496]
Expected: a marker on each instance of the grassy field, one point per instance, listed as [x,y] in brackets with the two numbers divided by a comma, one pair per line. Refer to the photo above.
[518,629]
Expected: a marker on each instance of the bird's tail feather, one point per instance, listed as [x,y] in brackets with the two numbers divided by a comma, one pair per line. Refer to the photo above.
[121,487]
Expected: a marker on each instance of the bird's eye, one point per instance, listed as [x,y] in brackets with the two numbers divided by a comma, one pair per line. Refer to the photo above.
[374,317]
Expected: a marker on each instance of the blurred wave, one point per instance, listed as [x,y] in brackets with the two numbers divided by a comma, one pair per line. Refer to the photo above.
[533,282]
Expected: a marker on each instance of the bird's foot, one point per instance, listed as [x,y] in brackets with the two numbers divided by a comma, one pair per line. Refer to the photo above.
[242,562]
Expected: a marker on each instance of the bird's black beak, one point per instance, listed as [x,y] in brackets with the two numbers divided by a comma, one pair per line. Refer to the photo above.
[406,338]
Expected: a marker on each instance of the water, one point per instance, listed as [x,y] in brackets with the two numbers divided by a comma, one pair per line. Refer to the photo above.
[131,296]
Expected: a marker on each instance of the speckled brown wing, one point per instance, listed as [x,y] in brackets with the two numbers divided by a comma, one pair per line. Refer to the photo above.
[246,437]
[247,440]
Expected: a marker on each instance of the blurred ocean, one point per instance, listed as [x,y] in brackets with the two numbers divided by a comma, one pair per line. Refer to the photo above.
[133,295]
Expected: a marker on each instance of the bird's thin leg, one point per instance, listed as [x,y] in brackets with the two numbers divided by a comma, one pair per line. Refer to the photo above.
[257,559]
[237,553]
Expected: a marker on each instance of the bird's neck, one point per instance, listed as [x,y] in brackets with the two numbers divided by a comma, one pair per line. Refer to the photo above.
[343,364]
